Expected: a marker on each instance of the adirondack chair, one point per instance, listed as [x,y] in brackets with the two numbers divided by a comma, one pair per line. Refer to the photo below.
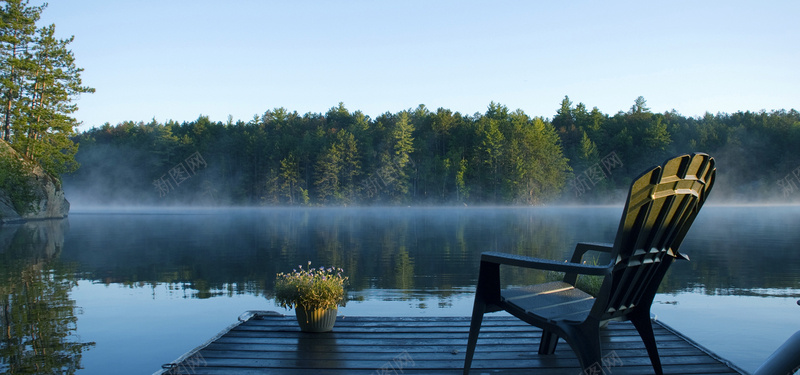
[662,204]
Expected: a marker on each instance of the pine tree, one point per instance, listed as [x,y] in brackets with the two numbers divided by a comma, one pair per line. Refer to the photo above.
[490,154]
[351,165]
[39,81]
[290,181]
[328,169]
[17,31]
[403,146]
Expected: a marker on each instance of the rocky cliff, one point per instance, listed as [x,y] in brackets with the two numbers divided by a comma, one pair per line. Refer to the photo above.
[46,201]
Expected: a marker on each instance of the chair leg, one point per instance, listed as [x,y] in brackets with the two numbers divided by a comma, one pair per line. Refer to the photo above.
[645,327]
[548,343]
[474,329]
[585,341]
[486,295]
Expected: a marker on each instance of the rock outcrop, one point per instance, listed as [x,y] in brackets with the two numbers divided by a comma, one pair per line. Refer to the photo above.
[48,196]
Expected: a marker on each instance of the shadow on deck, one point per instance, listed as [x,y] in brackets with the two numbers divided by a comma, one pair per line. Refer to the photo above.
[271,343]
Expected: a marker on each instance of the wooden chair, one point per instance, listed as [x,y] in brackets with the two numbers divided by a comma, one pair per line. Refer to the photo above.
[662,203]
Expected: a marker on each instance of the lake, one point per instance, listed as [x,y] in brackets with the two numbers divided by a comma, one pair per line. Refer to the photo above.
[128,290]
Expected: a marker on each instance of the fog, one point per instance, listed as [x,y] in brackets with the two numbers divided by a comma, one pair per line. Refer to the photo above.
[113,176]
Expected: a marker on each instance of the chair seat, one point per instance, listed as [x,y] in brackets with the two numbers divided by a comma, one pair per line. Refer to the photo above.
[552,301]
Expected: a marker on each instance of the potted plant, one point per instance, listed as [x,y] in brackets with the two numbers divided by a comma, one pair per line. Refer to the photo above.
[314,293]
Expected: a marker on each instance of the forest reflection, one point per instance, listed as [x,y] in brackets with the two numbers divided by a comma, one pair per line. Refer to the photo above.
[241,251]
[425,256]
[412,252]
[734,250]
[37,316]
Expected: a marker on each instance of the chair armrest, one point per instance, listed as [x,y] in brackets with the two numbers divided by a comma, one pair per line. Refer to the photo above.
[544,264]
[583,247]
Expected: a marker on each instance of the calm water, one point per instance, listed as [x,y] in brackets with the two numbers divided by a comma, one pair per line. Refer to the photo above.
[131,290]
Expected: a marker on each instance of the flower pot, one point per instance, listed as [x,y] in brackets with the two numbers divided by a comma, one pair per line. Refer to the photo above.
[315,320]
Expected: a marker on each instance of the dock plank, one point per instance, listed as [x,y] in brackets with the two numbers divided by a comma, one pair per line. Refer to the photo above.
[273,344]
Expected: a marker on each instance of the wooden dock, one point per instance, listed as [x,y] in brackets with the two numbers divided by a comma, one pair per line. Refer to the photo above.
[271,343]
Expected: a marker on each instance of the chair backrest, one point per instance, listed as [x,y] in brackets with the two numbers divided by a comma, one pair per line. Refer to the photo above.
[662,204]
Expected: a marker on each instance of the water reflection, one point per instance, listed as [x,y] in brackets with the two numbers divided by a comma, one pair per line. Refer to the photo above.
[401,261]
[734,250]
[747,251]
[37,316]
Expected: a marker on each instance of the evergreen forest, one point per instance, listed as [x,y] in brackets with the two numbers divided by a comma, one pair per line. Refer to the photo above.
[417,156]
[425,157]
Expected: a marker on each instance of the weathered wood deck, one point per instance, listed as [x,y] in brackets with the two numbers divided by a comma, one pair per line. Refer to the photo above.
[272,344]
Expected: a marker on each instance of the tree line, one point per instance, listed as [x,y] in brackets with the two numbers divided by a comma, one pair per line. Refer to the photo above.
[340,157]
[420,156]
[38,83]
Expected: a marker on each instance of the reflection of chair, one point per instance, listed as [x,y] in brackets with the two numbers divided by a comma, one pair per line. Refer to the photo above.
[662,203]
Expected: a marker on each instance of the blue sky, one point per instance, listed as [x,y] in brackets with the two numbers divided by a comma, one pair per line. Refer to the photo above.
[180,59]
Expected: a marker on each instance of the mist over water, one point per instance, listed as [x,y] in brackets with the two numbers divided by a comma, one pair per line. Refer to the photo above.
[420,156]
[401,260]
[734,249]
